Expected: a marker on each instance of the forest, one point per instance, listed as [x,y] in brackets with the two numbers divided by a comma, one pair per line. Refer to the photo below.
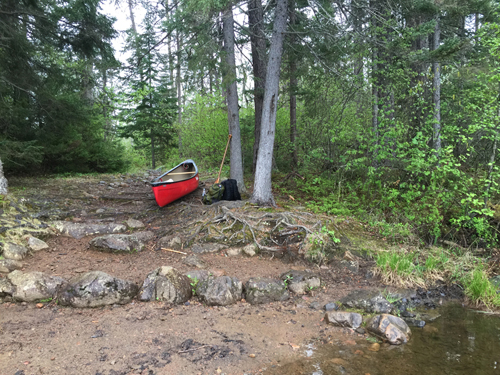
[384,110]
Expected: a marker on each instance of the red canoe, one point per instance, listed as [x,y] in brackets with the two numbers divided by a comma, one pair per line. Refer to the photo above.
[176,183]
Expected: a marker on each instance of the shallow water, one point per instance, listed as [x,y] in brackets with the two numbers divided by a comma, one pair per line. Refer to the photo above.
[461,341]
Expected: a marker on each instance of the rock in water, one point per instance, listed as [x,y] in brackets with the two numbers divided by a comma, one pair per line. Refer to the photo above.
[344,319]
[265,290]
[166,284]
[369,301]
[392,328]
[220,291]
[34,286]
[97,288]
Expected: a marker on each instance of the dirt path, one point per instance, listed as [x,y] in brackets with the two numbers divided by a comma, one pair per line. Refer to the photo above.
[155,338]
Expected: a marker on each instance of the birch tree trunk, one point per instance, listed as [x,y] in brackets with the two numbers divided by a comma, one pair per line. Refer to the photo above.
[3,180]
[258,42]
[293,89]
[233,116]
[262,193]
[436,84]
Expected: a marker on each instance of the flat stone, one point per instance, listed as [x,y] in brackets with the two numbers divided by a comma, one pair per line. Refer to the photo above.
[344,319]
[9,265]
[34,286]
[36,244]
[117,243]
[207,248]
[14,251]
[134,224]
[80,230]
[144,236]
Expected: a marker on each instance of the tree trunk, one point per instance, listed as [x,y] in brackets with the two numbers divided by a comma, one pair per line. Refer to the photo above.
[293,90]
[3,181]
[262,193]
[233,115]
[436,84]
[258,42]
[375,93]
[178,84]
[132,18]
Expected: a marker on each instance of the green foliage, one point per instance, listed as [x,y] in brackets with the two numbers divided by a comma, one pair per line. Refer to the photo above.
[194,284]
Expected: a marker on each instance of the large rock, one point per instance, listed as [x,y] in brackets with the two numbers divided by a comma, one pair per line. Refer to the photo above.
[220,291]
[299,282]
[14,251]
[97,288]
[265,290]
[9,265]
[389,327]
[166,284]
[369,301]
[117,243]
[344,319]
[134,224]
[144,236]
[197,276]
[34,286]
[194,260]
[80,230]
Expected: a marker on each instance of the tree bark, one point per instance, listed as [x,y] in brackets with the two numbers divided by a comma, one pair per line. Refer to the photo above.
[258,42]
[3,181]
[293,90]
[262,192]
[233,116]
[436,84]
[131,13]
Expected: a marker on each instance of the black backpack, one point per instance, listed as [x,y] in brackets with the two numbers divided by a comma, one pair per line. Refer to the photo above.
[231,192]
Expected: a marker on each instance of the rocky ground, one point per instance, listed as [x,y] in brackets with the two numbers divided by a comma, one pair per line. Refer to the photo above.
[185,335]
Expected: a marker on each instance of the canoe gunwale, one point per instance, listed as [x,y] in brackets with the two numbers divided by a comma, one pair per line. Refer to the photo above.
[157,182]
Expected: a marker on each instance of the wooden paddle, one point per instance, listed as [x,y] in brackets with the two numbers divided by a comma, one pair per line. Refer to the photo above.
[224,158]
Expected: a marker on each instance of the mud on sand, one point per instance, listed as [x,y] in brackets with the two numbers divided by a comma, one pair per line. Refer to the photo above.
[153,337]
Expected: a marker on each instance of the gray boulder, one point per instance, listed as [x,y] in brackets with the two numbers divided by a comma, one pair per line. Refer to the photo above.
[166,284]
[9,265]
[299,282]
[220,291]
[14,251]
[96,288]
[389,327]
[117,243]
[264,290]
[34,286]
[369,301]
[344,319]
[80,230]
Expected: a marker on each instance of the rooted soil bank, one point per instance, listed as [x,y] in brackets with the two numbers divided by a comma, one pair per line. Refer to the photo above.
[155,338]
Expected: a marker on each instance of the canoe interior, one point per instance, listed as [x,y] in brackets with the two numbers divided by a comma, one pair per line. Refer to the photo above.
[182,172]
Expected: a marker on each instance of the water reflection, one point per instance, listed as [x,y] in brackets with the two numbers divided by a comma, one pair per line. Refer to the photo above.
[460,342]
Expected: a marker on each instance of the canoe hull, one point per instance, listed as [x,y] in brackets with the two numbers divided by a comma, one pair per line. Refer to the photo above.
[176,183]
